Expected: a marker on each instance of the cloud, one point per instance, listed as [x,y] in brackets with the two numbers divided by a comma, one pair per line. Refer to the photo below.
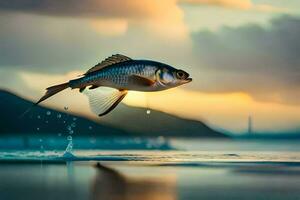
[46,44]
[262,61]
[236,4]
[58,45]
[155,14]
[110,27]
[78,8]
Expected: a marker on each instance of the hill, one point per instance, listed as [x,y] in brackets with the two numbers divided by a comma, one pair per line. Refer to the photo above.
[157,123]
[125,121]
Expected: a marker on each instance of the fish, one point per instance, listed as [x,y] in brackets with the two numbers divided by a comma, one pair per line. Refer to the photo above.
[119,74]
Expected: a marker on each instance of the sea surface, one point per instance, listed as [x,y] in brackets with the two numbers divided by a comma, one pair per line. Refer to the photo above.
[182,169]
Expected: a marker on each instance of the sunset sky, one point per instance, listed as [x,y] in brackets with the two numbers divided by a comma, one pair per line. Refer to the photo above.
[243,55]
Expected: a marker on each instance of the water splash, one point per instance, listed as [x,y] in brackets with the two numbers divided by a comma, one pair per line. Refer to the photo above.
[68,152]
[148,112]
[70,144]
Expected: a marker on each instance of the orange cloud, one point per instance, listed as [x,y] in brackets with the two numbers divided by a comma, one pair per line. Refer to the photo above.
[110,27]
[111,17]
[167,19]
[159,18]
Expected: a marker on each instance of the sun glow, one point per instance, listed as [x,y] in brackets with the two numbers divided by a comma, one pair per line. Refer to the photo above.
[226,110]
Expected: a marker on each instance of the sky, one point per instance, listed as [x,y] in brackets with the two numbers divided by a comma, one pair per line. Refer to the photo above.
[243,55]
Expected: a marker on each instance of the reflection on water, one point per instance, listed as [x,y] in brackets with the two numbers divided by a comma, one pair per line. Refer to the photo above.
[110,184]
[199,170]
[141,181]
[270,170]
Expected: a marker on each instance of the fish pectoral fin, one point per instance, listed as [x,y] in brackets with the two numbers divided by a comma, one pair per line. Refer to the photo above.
[102,100]
[114,103]
[140,80]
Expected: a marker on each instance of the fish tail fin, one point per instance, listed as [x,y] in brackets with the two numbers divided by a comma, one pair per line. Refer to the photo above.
[52,91]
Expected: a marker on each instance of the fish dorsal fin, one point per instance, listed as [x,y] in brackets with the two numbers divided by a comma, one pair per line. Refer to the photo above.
[117,58]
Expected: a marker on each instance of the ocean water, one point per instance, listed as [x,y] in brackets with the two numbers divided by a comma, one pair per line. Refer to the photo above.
[188,169]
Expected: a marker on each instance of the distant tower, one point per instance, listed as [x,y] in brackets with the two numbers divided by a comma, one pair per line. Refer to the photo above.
[250,130]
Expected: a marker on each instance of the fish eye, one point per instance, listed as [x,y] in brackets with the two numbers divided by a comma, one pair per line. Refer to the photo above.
[180,75]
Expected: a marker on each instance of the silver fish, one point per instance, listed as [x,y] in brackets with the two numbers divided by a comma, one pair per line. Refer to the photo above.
[121,73]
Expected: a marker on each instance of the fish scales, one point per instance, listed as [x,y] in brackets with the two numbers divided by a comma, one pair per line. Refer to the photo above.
[118,74]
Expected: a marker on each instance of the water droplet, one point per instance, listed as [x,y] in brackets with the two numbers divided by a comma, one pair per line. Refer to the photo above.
[39,117]
[71,131]
[41,140]
[37,129]
[59,134]
[48,113]
[58,116]
[90,127]
[69,128]
[64,122]
[69,137]
[47,122]
[73,125]
[74,118]
[66,108]
[148,112]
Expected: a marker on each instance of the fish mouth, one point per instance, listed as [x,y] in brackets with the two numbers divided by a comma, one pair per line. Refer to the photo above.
[187,80]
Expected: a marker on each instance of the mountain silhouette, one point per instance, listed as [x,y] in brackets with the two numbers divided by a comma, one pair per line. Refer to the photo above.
[157,123]
[124,121]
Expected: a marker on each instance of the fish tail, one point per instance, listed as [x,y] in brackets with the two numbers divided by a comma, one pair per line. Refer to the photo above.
[52,91]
